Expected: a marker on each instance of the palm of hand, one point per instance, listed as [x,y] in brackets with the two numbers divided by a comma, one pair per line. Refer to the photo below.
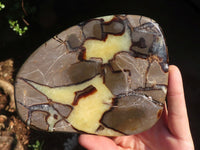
[171,132]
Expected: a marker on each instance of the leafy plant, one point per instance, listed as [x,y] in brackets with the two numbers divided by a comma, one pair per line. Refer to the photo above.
[37,145]
[15,26]
[17,13]
[2,6]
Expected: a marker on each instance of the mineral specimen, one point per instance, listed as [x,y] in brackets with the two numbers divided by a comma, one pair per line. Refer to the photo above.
[106,76]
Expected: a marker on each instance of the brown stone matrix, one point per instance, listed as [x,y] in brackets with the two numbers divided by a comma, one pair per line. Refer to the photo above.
[106,76]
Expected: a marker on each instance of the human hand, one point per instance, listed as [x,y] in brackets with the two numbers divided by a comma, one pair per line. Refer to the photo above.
[171,132]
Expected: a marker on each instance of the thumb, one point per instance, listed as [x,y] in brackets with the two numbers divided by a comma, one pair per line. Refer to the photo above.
[177,112]
[94,142]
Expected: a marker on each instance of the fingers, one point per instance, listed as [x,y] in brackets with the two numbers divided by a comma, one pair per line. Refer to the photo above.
[94,142]
[177,113]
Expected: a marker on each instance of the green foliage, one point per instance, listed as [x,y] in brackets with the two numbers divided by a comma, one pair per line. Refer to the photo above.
[2,6]
[15,26]
[37,145]
[17,14]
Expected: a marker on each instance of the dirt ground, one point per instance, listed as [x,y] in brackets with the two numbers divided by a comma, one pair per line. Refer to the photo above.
[14,134]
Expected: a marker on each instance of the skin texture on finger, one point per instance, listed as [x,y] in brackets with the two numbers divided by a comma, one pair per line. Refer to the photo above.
[177,113]
[158,137]
[130,142]
[95,142]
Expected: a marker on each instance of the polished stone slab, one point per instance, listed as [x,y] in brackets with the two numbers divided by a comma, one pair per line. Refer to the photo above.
[105,76]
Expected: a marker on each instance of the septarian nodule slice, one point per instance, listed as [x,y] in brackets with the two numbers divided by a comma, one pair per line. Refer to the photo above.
[106,76]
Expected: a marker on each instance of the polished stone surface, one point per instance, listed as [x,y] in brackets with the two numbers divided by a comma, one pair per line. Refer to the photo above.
[106,76]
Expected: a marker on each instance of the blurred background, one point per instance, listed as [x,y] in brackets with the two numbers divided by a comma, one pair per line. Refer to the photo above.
[179,19]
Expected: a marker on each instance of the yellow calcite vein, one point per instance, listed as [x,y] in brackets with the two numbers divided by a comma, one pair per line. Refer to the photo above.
[108,48]
[87,114]
[106,18]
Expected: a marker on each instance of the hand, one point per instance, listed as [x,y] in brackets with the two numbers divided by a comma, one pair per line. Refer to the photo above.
[171,132]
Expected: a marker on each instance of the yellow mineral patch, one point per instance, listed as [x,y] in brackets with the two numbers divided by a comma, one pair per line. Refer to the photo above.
[107,49]
[108,132]
[106,18]
[65,95]
[51,120]
[87,114]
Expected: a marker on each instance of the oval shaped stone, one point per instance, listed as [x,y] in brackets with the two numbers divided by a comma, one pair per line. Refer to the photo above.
[105,76]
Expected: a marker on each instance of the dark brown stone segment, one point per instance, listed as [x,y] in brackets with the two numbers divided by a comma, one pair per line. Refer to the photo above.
[113,27]
[23,111]
[83,71]
[74,41]
[117,82]
[19,87]
[100,128]
[64,110]
[93,29]
[73,37]
[136,66]
[156,94]
[142,42]
[63,126]
[131,114]
[156,75]
[147,37]
[38,119]
[148,27]
[136,20]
